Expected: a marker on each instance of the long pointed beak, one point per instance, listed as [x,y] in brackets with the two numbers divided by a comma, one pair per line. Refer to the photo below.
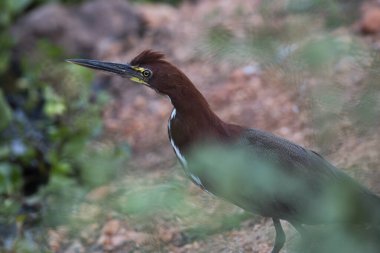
[124,70]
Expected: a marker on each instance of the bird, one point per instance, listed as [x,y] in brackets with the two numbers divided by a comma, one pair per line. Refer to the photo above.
[271,176]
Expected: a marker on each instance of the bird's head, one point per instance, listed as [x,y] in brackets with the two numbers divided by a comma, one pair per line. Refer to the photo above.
[148,68]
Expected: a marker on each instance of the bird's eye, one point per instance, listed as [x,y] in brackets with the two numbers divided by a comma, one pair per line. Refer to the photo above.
[147,73]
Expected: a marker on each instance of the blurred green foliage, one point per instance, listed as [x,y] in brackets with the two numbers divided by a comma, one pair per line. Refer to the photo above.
[168,198]
[51,126]
[334,12]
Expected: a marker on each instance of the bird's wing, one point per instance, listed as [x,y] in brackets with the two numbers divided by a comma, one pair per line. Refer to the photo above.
[301,184]
[292,158]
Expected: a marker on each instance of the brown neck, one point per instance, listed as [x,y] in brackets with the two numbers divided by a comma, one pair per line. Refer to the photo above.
[188,100]
[193,111]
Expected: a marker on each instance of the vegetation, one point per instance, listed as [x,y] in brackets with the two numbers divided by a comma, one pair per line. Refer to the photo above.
[51,128]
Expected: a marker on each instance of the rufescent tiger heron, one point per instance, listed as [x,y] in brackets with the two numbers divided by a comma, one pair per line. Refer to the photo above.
[278,179]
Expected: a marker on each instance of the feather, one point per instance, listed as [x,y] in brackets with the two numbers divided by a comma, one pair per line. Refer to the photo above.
[147,56]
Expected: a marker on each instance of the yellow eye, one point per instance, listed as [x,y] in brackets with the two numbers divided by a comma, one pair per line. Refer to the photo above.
[147,73]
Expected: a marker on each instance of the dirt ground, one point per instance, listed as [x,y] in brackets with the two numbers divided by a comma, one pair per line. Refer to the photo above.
[242,90]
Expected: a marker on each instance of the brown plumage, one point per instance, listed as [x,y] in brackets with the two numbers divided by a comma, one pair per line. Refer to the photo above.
[147,57]
[271,176]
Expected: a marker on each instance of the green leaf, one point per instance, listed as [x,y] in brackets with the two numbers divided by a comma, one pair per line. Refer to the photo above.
[5,112]
[54,104]
[10,178]
[51,50]
[62,168]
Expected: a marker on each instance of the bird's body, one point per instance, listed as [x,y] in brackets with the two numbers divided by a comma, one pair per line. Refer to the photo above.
[314,177]
[271,176]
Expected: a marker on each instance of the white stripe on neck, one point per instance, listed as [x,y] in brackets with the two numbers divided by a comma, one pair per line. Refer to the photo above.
[176,149]
[193,177]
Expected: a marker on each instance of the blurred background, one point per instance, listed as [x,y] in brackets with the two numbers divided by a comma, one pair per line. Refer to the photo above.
[85,162]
